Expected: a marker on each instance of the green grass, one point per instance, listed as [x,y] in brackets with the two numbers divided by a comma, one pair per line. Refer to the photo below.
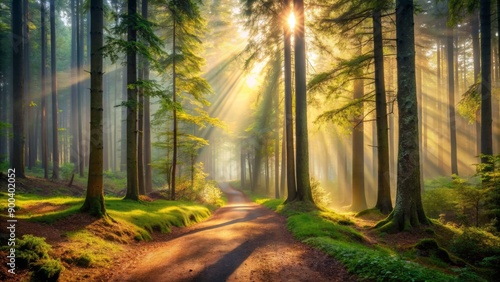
[332,233]
[159,215]
[146,217]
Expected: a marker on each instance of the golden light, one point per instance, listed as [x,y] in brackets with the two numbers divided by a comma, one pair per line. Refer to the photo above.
[291,21]
[251,81]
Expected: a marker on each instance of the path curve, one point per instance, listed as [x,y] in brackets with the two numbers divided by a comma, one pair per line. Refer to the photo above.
[242,241]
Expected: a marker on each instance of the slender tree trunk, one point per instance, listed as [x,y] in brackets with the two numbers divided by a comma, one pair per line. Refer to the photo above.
[74,88]
[276,146]
[408,212]
[55,108]
[290,151]
[486,111]
[302,152]
[242,166]
[140,130]
[17,155]
[384,203]
[29,98]
[123,161]
[451,101]
[94,200]
[148,180]
[358,165]
[44,126]
[132,179]
[79,67]
[174,149]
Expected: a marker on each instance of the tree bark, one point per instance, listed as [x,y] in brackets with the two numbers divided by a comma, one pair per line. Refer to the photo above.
[132,179]
[17,155]
[44,126]
[148,179]
[74,87]
[302,152]
[94,200]
[451,101]
[174,113]
[408,212]
[486,111]
[55,108]
[290,151]
[358,165]
[384,203]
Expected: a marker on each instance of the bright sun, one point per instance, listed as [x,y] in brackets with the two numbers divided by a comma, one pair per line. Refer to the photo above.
[251,81]
[291,21]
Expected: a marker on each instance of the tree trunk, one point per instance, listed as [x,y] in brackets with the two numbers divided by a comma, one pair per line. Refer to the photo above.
[358,165]
[384,203]
[17,155]
[94,200]
[174,113]
[408,212]
[148,180]
[242,166]
[288,132]
[44,126]
[140,130]
[276,146]
[55,108]
[79,67]
[451,101]
[132,181]
[486,111]
[74,88]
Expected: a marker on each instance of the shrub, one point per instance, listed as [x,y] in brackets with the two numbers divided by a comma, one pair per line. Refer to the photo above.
[320,196]
[31,250]
[474,245]
[47,270]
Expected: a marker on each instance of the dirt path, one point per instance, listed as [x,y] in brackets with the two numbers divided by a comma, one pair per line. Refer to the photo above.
[240,242]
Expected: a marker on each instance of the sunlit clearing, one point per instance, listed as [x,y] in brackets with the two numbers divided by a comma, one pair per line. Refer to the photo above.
[291,21]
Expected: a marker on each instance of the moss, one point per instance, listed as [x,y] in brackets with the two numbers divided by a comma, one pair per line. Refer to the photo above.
[430,248]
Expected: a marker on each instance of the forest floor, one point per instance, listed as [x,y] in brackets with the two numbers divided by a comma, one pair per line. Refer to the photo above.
[242,241]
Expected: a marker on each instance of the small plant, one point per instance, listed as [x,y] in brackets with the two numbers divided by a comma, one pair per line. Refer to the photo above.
[31,250]
[320,196]
[47,270]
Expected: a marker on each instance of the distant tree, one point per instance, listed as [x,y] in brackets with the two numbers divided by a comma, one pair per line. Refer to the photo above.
[486,111]
[408,211]
[43,79]
[451,97]
[55,108]
[94,200]
[303,181]
[17,155]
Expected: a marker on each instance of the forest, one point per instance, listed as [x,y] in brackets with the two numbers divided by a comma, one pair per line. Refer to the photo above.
[249,140]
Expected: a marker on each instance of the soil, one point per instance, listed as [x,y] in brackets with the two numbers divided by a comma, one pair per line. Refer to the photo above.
[240,242]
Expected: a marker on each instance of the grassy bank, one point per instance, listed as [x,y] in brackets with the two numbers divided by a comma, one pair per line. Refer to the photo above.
[360,251]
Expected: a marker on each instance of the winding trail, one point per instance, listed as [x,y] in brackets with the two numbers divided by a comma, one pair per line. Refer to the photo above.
[242,241]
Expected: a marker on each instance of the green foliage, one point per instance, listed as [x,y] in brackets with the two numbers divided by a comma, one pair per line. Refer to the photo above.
[469,105]
[31,249]
[320,196]
[47,270]
[474,245]
[375,265]
[201,189]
